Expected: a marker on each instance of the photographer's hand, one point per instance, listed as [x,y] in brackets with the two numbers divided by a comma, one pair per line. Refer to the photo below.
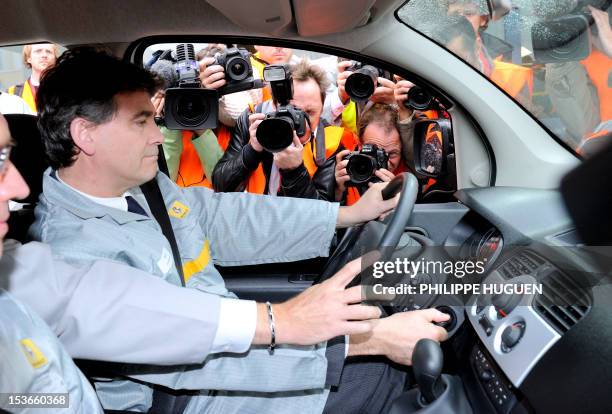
[401,94]
[604,30]
[384,175]
[254,121]
[291,157]
[158,100]
[341,174]
[211,76]
[343,73]
[384,92]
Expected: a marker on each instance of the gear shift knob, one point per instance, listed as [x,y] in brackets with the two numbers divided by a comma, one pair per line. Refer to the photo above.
[427,361]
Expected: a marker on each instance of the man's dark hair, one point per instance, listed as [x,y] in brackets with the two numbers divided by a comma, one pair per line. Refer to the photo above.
[83,83]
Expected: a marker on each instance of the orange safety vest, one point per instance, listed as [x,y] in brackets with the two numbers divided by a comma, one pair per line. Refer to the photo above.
[259,66]
[334,136]
[599,68]
[25,92]
[514,79]
[190,172]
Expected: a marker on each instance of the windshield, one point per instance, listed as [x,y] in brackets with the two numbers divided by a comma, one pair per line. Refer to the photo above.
[552,56]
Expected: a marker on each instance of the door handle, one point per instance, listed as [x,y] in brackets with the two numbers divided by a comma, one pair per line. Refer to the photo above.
[303,278]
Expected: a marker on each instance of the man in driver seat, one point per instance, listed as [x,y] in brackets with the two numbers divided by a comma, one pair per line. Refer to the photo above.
[102,144]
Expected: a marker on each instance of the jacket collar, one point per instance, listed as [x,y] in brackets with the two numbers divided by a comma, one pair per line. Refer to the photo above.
[63,196]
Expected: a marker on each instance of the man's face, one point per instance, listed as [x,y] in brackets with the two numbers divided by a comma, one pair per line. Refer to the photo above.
[274,55]
[307,97]
[12,186]
[388,140]
[126,146]
[42,57]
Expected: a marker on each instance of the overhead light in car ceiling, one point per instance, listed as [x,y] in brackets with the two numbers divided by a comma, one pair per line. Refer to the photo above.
[263,16]
[321,17]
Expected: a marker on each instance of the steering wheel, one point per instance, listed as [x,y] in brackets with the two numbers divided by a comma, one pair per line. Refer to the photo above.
[354,237]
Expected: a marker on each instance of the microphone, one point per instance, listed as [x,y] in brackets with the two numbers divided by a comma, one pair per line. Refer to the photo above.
[164,69]
[184,52]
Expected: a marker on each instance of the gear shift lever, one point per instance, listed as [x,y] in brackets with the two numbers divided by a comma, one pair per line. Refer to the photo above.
[427,361]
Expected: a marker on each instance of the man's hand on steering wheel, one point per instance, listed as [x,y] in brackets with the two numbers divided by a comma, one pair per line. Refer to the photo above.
[370,206]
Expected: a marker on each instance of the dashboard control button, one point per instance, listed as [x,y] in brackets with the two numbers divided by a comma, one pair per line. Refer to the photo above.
[512,335]
[486,325]
[486,375]
[450,324]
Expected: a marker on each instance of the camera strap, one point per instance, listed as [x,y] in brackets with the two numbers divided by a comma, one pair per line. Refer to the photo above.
[319,150]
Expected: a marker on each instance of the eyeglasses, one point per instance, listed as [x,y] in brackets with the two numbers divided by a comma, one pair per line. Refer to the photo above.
[5,153]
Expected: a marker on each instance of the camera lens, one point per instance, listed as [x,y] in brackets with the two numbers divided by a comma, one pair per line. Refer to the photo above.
[418,99]
[237,69]
[191,109]
[275,134]
[361,84]
[360,168]
[564,39]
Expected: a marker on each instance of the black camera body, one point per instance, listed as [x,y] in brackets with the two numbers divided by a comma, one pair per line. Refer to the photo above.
[275,132]
[361,84]
[187,105]
[363,164]
[238,71]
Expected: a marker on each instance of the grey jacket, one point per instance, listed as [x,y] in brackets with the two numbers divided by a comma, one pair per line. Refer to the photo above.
[222,228]
[32,360]
[98,310]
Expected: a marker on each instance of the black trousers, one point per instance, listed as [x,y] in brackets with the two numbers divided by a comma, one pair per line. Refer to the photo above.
[361,385]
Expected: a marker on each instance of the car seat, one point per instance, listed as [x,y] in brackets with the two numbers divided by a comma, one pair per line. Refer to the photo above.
[28,156]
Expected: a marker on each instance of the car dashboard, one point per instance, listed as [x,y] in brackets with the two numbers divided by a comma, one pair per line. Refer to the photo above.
[516,346]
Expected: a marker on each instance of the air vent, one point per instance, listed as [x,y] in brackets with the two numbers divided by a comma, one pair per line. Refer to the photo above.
[563,303]
[523,263]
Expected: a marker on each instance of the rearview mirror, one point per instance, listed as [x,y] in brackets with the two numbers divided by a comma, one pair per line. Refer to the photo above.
[433,147]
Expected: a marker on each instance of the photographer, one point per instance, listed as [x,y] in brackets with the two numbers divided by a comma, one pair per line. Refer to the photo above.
[294,171]
[344,111]
[377,127]
[191,155]
[581,90]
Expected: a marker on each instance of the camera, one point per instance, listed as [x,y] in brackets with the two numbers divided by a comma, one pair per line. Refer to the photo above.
[187,105]
[363,164]
[564,39]
[238,71]
[275,132]
[563,35]
[418,99]
[361,84]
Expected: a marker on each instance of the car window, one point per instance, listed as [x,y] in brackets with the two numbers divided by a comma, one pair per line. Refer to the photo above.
[21,67]
[367,105]
[550,56]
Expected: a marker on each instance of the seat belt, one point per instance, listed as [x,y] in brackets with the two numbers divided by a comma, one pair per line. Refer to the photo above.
[165,402]
[156,203]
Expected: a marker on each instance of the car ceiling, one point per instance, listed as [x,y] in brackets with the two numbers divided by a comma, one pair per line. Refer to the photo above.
[71,22]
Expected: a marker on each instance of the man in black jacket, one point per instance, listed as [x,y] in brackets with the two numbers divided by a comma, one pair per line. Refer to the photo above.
[295,171]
